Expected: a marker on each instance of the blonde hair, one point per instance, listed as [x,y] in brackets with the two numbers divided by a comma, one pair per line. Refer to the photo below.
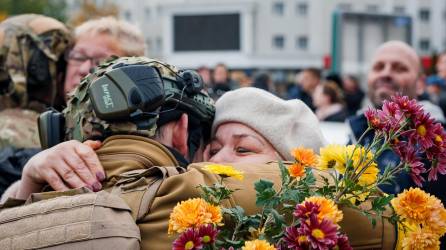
[129,37]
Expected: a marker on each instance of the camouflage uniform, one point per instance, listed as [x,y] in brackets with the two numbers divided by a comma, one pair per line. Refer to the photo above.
[22,37]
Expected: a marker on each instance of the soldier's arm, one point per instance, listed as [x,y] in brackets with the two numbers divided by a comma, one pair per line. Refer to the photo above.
[67,165]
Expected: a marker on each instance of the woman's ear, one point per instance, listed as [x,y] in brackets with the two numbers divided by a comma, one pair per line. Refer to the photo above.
[180,135]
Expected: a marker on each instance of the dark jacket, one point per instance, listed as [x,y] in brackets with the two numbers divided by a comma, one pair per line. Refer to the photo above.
[12,161]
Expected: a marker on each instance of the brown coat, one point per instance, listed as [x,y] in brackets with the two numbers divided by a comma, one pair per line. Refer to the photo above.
[181,187]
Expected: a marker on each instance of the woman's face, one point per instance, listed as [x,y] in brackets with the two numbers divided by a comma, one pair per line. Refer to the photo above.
[236,143]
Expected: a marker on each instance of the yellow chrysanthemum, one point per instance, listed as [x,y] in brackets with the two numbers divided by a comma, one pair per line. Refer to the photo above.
[224,171]
[331,156]
[296,170]
[369,176]
[258,245]
[415,205]
[305,156]
[328,209]
[193,213]
[421,239]
[437,221]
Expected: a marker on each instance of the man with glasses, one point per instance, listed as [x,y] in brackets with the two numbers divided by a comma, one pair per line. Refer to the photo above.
[96,40]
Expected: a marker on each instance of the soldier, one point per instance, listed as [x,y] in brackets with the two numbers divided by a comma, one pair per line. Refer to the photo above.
[32,69]
[158,123]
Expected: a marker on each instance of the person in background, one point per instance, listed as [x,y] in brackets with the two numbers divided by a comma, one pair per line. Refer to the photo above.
[395,68]
[32,68]
[262,80]
[329,102]
[353,94]
[206,76]
[221,81]
[95,41]
[441,65]
[435,88]
[306,83]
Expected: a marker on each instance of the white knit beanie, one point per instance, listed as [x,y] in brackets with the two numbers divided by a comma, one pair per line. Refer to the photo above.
[285,124]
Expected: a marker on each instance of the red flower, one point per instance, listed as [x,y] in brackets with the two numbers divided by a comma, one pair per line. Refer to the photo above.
[423,132]
[343,243]
[409,155]
[188,240]
[295,239]
[438,166]
[321,235]
[207,233]
[304,211]
[409,107]
[374,119]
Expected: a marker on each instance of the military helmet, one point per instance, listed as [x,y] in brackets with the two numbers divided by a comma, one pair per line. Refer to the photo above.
[32,63]
[135,95]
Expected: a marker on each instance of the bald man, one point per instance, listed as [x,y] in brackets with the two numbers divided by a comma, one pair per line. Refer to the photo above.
[395,68]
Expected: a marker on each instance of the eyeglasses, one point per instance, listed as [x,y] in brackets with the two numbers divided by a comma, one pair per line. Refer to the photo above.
[78,58]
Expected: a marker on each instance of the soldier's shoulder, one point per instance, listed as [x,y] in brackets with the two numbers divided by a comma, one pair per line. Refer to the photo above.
[18,128]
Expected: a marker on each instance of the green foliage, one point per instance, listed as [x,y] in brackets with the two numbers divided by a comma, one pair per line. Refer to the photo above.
[52,8]
[266,195]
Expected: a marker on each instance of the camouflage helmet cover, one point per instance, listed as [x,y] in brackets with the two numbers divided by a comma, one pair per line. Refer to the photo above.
[20,37]
[82,123]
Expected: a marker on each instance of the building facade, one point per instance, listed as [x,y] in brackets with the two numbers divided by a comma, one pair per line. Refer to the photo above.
[282,34]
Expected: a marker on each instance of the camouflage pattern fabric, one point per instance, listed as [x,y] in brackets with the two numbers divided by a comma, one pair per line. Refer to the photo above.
[18,128]
[82,123]
[20,37]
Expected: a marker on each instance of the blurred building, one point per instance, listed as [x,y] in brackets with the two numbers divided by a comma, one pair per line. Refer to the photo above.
[283,34]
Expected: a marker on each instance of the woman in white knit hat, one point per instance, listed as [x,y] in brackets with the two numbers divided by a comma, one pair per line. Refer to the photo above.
[254,126]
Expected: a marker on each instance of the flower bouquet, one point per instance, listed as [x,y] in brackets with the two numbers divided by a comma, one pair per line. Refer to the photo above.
[305,209]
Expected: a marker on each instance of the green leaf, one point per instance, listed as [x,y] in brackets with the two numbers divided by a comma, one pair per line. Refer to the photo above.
[379,204]
[265,193]
[286,179]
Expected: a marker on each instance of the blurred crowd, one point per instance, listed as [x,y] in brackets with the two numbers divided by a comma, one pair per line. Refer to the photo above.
[333,97]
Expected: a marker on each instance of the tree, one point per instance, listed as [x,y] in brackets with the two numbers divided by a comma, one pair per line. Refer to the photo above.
[52,8]
[90,10]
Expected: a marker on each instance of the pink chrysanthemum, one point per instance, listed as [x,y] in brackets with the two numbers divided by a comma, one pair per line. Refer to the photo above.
[343,243]
[374,120]
[321,235]
[188,240]
[295,239]
[409,107]
[207,233]
[303,211]
[438,166]
[423,133]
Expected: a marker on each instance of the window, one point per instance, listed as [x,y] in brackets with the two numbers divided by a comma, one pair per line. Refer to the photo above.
[278,42]
[424,15]
[302,9]
[278,8]
[400,10]
[372,8]
[147,13]
[424,44]
[302,42]
[128,15]
[345,6]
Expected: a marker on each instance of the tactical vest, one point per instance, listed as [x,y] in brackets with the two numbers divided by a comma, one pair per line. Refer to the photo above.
[144,194]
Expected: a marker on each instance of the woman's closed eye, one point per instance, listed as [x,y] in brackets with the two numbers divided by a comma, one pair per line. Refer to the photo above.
[243,150]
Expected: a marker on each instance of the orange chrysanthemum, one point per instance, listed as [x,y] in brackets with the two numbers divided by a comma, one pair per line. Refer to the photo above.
[421,239]
[437,221]
[328,209]
[193,213]
[297,170]
[258,245]
[415,205]
[304,156]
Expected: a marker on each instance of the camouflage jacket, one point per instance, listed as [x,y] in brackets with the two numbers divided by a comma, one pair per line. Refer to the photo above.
[18,128]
